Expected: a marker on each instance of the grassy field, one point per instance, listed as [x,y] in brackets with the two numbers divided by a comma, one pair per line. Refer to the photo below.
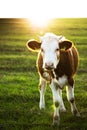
[19,95]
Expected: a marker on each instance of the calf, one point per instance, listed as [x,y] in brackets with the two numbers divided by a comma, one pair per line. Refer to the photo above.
[57,63]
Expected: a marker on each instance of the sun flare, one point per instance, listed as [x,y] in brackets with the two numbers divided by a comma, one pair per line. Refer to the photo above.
[39,22]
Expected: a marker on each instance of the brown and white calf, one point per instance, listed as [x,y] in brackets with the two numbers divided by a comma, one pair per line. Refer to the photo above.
[57,63]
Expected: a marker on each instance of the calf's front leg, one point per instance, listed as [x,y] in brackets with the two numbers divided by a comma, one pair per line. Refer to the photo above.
[57,101]
[62,106]
[42,86]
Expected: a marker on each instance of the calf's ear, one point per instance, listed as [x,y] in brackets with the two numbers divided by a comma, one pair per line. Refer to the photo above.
[33,45]
[65,45]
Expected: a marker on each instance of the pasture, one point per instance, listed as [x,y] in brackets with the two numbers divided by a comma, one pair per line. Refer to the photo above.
[19,95]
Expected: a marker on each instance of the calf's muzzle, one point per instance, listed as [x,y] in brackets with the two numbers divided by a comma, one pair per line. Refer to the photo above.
[49,66]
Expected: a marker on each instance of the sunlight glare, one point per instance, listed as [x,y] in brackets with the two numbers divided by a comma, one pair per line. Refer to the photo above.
[39,22]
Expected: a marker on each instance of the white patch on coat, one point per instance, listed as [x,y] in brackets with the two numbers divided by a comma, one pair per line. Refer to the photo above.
[61,81]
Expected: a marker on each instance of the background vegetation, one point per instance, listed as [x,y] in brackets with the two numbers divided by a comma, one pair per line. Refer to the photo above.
[19,95]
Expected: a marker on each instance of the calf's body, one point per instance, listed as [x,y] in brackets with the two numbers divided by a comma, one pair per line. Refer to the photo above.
[57,63]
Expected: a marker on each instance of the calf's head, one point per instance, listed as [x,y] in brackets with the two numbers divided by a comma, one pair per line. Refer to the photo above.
[49,48]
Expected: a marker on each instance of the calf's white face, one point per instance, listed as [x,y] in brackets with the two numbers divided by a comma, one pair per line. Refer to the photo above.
[50,52]
[49,48]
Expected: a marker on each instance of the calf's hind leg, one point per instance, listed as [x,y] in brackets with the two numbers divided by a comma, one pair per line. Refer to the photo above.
[71,99]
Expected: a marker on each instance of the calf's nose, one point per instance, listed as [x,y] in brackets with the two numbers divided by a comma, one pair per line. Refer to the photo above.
[49,66]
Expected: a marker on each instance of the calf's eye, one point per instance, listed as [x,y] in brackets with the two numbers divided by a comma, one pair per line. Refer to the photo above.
[57,49]
[42,50]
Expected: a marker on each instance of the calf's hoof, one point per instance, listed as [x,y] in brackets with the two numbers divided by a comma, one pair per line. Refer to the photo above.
[56,121]
[76,113]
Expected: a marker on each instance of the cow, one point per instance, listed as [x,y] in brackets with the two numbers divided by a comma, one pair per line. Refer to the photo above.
[57,64]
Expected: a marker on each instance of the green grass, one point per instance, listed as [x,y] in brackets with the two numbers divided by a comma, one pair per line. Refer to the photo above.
[19,95]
